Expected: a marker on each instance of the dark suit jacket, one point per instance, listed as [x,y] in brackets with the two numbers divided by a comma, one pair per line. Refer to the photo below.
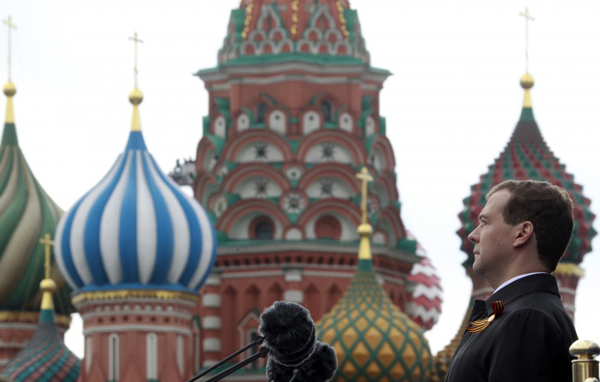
[528,342]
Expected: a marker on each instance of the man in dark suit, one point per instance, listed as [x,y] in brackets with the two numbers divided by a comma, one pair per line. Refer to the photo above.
[521,332]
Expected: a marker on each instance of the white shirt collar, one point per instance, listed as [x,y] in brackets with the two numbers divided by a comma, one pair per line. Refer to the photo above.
[517,278]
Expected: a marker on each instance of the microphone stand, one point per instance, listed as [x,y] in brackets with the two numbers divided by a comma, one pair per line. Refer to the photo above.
[262,353]
[259,340]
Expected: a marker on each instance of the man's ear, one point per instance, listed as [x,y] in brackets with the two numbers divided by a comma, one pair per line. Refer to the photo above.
[524,233]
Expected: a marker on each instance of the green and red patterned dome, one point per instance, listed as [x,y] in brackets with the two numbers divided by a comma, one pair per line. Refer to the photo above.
[373,339]
[45,358]
[527,156]
[274,30]
[26,214]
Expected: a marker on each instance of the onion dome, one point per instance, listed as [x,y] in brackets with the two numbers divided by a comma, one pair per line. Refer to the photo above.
[425,293]
[135,229]
[527,156]
[26,213]
[45,358]
[266,30]
[373,339]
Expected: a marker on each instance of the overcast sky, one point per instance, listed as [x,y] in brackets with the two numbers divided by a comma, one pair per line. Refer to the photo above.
[451,104]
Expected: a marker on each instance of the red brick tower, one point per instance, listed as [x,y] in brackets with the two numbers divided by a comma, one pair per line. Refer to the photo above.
[293,114]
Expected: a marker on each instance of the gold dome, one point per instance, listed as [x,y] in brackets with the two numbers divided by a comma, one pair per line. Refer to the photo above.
[373,339]
[9,89]
[136,97]
[527,81]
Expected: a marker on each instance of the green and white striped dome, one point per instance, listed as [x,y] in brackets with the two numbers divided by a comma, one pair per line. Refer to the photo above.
[26,214]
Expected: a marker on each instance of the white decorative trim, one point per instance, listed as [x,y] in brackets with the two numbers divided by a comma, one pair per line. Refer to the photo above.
[294,296]
[295,77]
[236,275]
[211,323]
[240,327]
[283,67]
[131,301]
[140,328]
[316,247]
[152,313]
[14,326]
[569,307]
[211,345]
[211,300]
[214,279]
[293,275]
[570,291]
[13,345]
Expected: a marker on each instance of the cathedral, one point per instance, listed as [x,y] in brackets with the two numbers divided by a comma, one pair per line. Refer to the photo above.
[295,198]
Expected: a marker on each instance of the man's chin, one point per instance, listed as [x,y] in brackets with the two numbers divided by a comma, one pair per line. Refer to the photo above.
[477,269]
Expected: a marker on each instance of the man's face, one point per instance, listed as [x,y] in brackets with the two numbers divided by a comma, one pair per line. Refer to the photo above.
[493,239]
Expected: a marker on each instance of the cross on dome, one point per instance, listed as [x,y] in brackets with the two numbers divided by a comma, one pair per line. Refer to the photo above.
[10,26]
[527,17]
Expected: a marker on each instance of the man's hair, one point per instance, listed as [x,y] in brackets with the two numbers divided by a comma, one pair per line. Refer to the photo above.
[549,208]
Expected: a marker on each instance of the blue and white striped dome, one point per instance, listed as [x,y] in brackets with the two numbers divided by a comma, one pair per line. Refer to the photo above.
[135,230]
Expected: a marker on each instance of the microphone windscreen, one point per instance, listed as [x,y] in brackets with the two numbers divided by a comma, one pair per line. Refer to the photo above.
[319,367]
[289,332]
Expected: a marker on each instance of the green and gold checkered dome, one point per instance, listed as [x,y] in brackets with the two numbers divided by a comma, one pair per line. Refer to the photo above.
[373,339]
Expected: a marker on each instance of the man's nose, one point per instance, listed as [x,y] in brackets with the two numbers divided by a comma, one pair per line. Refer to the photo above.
[473,236]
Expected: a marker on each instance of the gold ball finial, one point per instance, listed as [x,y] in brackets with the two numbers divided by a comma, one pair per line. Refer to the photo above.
[136,97]
[584,349]
[527,81]
[48,285]
[9,89]
[365,230]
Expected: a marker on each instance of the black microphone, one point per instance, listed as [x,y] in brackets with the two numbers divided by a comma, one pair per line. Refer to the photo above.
[294,353]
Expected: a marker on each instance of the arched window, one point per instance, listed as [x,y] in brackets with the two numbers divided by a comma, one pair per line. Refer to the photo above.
[328,227]
[180,353]
[262,228]
[196,337]
[113,357]
[151,357]
[251,337]
[261,112]
[327,110]
[88,353]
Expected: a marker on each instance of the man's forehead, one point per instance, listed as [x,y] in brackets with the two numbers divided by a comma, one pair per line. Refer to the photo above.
[496,202]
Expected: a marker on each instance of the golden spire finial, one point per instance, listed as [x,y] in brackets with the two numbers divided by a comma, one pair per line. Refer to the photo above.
[9,88]
[364,229]
[527,17]
[47,285]
[135,96]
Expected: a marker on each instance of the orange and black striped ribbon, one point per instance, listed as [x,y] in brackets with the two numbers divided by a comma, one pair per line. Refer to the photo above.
[481,325]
